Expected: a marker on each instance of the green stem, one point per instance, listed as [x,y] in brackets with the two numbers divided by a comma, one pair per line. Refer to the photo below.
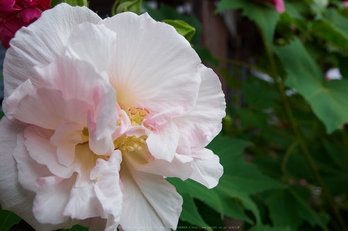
[298,134]
[113,8]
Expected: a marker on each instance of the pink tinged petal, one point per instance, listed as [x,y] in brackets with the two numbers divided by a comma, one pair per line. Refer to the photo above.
[48,109]
[96,47]
[65,138]
[28,169]
[163,143]
[37,142]
[199,126]
[207,169]
[149,203]
[13,197]
[107,187]
[125,123]
[41,43]
[83,203]
[155,72]
[179,167]
[53,193]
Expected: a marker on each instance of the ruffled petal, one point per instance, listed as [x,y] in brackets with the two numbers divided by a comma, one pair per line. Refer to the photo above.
[107,187]
[83,203]
[65,139]
[207,169]
[37,142]
[96,47]
[41,43]
[179,167]
[154,67]
[199,126]
[149,203]
[52,194]
[21,201]
[162,143]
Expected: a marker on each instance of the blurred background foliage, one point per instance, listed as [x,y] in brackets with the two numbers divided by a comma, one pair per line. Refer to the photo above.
[284,144]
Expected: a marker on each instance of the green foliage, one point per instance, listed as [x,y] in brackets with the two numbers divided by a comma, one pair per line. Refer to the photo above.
[329,100]
[126,5]
[71,2]
[182,28]
[7,219]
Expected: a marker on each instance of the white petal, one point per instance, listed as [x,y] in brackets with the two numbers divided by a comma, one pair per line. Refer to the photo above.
[107,187]
[149,203]
[179,167]
[41,42]
[154,67]
[13,197]
[207,170]
[83,203]
[42,151]
[94,44]
[199,126]
[52,198]
[162,143]
[65,139]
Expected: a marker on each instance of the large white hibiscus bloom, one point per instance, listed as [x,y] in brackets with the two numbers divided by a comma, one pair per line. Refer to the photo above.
[98,113]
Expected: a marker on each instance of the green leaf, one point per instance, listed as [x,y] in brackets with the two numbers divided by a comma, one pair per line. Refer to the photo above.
[329,100]
[257,95]
[55,2]
[8,219]
[262,15]
[198,191]
[182,28]
[240,180]
[286,208]
[166,12]
[76,2]
[333,28]
[129,5]
[190,213]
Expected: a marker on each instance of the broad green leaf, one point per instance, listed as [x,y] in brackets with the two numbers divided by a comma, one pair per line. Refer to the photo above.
[262,15]
[1,114]
[128,5]
[232,208]
[182,28]
[333,28]
[190,213]
[336,182]
[329,100]
[240,180]
[289,209]
[76,2]
[8,219]
[198,191]
[168,13]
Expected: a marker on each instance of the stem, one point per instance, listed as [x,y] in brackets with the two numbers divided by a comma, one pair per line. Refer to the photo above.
[298,134]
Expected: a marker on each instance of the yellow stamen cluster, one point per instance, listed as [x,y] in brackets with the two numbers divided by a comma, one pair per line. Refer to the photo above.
[129,143]
[137,115]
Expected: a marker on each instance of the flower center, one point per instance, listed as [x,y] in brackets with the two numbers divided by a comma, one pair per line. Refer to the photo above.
[137,115]
[126,143]
[129,143]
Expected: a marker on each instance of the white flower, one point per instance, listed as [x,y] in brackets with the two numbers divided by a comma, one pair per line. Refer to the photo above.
[98,113]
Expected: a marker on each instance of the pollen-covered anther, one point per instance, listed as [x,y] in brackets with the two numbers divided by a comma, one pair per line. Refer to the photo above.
[129,143]
[137,115]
